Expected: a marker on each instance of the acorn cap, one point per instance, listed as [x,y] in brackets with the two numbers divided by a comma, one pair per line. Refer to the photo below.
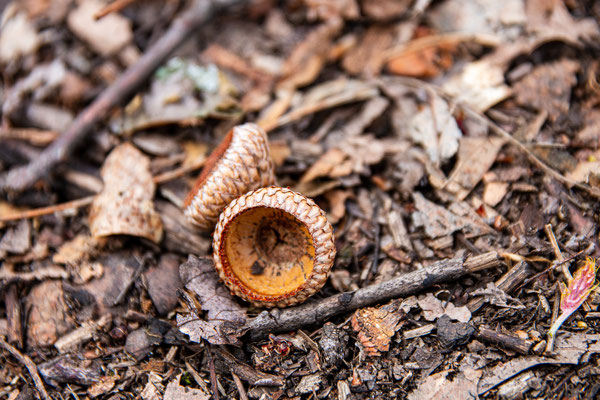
[273,247]
[242,162]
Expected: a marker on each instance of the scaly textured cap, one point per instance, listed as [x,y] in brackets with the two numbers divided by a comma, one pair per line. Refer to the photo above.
[273,247]
[241,163]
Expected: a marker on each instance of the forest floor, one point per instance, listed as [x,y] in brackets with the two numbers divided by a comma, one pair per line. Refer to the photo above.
[452,144]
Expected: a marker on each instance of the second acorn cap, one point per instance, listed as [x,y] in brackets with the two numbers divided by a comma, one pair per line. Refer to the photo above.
[241,163]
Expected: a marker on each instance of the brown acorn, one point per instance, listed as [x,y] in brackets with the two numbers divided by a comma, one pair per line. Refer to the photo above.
[273,247]
[242,162]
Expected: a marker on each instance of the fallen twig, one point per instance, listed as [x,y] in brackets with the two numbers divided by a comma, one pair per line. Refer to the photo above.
[38,212]
[30,365]
[312,313]
[40,274]
[510,342]
[20,178]
[86,201]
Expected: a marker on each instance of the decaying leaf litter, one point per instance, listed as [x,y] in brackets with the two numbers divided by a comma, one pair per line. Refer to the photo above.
[453,145]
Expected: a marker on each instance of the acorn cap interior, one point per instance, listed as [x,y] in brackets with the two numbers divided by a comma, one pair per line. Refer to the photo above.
[269,250]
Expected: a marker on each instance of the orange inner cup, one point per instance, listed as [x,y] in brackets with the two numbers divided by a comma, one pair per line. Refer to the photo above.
[269,251]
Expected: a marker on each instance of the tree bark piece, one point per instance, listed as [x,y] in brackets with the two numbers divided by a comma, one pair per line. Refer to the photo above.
[315,312]
[21,178]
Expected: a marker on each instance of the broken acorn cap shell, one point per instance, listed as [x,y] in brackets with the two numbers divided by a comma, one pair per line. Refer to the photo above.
[241,163]
[273,247]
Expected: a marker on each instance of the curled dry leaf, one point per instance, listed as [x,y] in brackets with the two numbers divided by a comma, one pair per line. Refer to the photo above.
[224,313]
[125,204]
[376,326]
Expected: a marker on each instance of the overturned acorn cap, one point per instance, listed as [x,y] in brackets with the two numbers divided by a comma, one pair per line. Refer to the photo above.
[273,247]
[242,162]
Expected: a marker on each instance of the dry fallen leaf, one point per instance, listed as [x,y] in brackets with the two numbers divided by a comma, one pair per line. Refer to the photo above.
[385,10]
[479,84]
[475,157]
[107,35]
[439,387]
[503,19]
[368,56]
[308,57]
[224,313]
[81,247]
[376,326]
[125,204]
[548,87]
[48,317]
[575,348]
[18,36]
[182,92]
[438,221]
[435,128]
[551,19]
[175,391]
[433,309]
[324,165]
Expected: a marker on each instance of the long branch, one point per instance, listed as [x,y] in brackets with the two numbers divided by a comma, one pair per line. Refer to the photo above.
[312,313]
[21,178]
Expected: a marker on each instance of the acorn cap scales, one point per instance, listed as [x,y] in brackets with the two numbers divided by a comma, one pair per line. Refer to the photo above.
[242,162]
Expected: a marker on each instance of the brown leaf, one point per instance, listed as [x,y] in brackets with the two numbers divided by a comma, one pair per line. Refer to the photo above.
[439,387]
[384,10]
[328,9]
[376,326]
[224,313]
[48,318]
[324,165]
[575,348]
[475,157]
[164,282]
[83,23]
[551,19]
[369,55]
[18,37]
[80,248]
[437,221]
[125,204]
[548,87]
[104,385]
[175,391]
[308,58]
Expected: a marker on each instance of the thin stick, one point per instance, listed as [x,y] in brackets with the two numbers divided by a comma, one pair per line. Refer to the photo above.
[115,6]
[559,257]
[21,178]
[86,201]
[177,172]
[240,386]
[30,365]
[312,313]
[38,212]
